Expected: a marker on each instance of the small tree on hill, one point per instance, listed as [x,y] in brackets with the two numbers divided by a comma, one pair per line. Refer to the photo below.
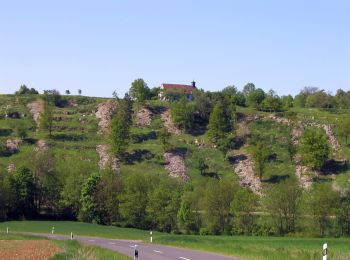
[260,155]
[46,118]
[120,126]
[182,114]
[314,148]
[79,91]
[202,166]
[67,92]
[139,91]
[218,124]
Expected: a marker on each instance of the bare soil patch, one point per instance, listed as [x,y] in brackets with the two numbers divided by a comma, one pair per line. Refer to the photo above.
[27,249]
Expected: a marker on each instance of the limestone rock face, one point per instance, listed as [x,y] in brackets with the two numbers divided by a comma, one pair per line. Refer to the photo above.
[175,165]
[12,144]
[104,113]
[144,117]
[106,159]
[244,168]
[169,124]
[36,108]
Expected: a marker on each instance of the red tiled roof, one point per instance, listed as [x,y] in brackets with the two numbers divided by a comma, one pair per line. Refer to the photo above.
[186,88]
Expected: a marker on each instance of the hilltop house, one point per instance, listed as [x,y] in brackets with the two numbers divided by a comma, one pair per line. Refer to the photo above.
[177,89]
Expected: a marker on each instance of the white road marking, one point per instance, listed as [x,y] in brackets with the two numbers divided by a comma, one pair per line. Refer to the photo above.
[91,240]
[134,246]
[111,243]
[184,258]
[159,252]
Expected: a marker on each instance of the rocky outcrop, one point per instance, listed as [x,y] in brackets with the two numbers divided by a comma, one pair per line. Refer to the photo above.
[104,113]
[12,145]
[175,165]
[106,160]
[144,117]
[244,168]
[11,167]
[42,146]
[36,108]
[168,123]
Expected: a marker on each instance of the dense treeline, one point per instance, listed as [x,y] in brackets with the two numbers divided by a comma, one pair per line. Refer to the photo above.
[153,201]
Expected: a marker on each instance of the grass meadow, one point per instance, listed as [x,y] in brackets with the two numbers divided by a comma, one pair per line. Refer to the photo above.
[244,247]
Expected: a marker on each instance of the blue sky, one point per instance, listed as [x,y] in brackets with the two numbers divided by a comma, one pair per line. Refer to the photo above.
[102,46]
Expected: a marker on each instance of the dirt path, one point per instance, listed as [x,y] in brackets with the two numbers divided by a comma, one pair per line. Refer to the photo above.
[175,165]
[168,123]
[27,249]
[244,168]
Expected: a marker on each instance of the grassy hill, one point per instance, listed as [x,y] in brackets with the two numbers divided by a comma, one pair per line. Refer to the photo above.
[77,133]
[75,136]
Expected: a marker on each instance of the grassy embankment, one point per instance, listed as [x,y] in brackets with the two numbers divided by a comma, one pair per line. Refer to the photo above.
[240,246]
[70,249]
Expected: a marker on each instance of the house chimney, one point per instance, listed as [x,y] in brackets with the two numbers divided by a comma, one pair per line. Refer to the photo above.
[193,84]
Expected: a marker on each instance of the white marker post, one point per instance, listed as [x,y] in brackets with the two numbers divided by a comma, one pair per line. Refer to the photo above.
[71,235]
[325,251]
[7,230]
[53,230]
[151,239]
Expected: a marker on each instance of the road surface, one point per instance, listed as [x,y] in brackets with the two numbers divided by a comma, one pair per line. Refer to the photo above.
[146,251]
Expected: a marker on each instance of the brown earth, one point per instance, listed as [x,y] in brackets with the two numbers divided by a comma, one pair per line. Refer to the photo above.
[169,124]
[36,108]
[27,249]
[104,113]
[41,146]
[175,165]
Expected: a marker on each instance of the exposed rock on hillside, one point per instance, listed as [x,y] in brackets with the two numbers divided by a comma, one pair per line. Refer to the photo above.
[36,108]
[169,124]
[104,113]
[244,168]
[305,176]
[41,146]
[12,145]
[106,160]
[175,165]
[144,117]
[11,167]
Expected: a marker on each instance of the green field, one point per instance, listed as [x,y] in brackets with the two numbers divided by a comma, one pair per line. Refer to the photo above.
[241,246]
[71,249]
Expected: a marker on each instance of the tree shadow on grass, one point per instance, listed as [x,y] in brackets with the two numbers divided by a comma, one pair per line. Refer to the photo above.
[276,179]
[214,175]
[139,138]
[68,137]
[5,132]
[335,167]
[137,155]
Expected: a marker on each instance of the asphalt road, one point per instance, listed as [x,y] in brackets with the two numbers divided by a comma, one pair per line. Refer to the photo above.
[146,251]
